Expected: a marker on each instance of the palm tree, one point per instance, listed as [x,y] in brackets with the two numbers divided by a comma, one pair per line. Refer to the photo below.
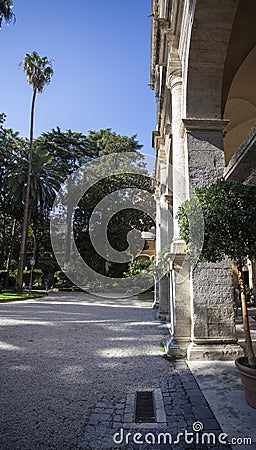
[6,11]
[44,184]
[9,143]
[39,72]
[45,180]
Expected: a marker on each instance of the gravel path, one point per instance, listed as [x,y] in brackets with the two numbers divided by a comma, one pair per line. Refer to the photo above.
[61,355]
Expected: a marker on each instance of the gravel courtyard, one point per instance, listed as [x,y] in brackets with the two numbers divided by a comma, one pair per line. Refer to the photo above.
[61,354]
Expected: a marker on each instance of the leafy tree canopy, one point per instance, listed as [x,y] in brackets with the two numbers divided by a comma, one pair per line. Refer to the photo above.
[69,149]
[229,212]
[107,142]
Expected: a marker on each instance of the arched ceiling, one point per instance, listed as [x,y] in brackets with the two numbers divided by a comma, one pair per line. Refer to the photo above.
[210,36]
[241,105]
[242,41]
[239,81]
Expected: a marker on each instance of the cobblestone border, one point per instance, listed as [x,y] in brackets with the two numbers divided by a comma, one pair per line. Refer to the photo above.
[184,405]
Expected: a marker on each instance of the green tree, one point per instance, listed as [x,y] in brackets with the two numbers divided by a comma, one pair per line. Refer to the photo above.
[70,149]
[6,13]
[39,72]
[10,144]
[137,266]
[229,211]
[45,182]
[107,142]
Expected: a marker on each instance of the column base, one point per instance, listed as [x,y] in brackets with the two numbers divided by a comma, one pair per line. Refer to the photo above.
[214,351]
[176,349]
[184,348]
[162,315]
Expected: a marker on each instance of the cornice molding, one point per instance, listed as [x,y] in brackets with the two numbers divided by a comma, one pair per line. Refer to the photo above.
[204,124]
[157,140]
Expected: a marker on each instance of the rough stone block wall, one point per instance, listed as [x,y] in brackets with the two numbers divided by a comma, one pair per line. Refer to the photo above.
[205,158]
[212,303]
[213,313]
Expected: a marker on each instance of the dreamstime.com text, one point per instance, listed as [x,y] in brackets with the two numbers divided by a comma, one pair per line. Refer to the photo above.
[198,437]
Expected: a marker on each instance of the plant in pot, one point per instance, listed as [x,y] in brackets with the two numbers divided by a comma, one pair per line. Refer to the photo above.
[229,213]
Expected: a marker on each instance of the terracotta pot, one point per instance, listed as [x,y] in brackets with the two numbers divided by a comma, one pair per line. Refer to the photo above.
[248,378]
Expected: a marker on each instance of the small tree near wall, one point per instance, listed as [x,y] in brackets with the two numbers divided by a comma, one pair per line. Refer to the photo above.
[229,212]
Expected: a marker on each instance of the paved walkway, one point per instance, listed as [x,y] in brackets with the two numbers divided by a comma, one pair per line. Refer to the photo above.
[70,367]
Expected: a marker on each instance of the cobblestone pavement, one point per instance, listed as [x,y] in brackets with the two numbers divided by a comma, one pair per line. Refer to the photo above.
[190,423]
[69,366]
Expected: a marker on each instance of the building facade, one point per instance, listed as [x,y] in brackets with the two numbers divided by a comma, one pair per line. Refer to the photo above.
[203,71]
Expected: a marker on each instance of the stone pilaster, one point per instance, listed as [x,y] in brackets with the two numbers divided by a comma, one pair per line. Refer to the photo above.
[163,220]
[164,303]
[174,83]
[158,243]
[213,329]
[179,339]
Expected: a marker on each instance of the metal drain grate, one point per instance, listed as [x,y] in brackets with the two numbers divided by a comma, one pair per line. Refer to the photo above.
[145,407]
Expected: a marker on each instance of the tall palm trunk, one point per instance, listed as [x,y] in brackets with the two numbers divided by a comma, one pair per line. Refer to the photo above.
[26,218]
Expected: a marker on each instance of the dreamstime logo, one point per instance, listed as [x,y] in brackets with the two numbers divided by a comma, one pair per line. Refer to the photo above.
[82,182]
[197,436]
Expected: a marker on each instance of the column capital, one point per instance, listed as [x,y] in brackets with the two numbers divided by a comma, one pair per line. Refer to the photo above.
[174,78]
[174,68]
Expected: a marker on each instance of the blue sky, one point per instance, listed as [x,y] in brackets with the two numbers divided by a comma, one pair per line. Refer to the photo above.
[101,57]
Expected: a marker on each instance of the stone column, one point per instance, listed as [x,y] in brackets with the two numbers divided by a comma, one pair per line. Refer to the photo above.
[162,291]
[179,284]
[178,155]
[179,339]
[213,328]
[157,249]
[164,282]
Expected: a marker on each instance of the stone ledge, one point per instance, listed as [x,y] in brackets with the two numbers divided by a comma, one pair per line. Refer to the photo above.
[213,352]
[204,125]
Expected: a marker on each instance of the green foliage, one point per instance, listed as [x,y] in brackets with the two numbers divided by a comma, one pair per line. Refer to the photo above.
[106,142]
[137,266]
[9,296]
[143,268]
[7,279]
[54,156]
[45,178]
[69,149]
[37,277]
[60,276]
[229,211]
[249,294]
[6,13]
[38,70]
[192,226]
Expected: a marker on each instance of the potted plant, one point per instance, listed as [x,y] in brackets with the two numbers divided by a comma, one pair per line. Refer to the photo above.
[229,212]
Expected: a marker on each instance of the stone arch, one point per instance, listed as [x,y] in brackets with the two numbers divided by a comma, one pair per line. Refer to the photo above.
[210,35]
[239,83]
